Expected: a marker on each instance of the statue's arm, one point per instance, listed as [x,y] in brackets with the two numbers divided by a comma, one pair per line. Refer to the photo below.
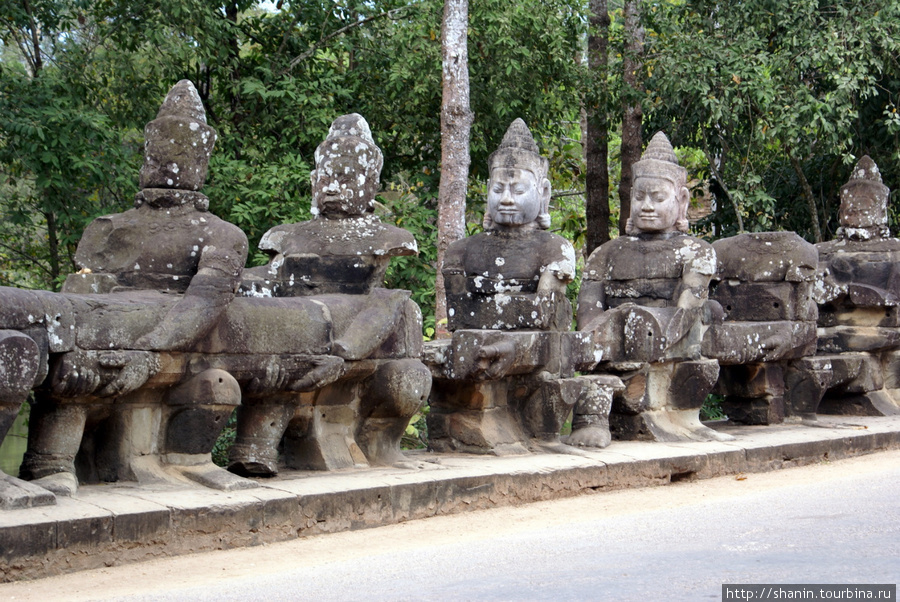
[211,290]
[559,272]
[591,304]
[454,271]
[693,290]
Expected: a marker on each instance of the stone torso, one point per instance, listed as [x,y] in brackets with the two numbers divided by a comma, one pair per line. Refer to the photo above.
[492,277]
[647,270]
[322,256]
[153,248]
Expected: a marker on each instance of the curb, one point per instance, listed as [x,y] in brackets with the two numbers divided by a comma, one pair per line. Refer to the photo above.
[107,525]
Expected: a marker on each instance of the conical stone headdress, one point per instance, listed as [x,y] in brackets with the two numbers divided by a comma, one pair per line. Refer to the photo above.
[659,161]
[347,133]
[519,150]
[178,143]
[864,201]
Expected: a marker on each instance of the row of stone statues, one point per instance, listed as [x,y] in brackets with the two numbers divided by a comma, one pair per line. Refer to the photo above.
[137,364]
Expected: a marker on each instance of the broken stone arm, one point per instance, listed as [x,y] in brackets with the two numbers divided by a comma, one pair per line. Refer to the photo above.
[693,290]
[205,300]
[591,305]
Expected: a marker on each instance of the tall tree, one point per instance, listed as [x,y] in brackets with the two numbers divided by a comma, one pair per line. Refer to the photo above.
[456,122]
[781,100]
[597,129]
[53,136]
[632,114]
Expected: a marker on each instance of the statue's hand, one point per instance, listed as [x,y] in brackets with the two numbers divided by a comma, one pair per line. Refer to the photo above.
[75,374]
[545,303]
[326,370]
[132,369]
[494,361]
[275,379]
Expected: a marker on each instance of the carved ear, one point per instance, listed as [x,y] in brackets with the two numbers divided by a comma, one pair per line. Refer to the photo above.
[312,184]
[684,197]
[545,195]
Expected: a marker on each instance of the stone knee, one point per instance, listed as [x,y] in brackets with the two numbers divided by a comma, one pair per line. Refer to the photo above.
[19,363]
[260,426]
[544,411]
[395,393]
[590,416]
[54,437]
[199,410]
[806,381]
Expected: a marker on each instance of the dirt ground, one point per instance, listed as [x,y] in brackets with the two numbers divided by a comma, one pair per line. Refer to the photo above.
[199,569]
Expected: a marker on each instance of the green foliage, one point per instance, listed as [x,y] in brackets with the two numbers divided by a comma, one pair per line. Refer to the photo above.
[225,441]
[770,83]
[712,408]
[414,273]
[416,434]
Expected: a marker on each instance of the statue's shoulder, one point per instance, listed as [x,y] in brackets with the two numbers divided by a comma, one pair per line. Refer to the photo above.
[393,240]
[222,233]
[600,257]
[273,240]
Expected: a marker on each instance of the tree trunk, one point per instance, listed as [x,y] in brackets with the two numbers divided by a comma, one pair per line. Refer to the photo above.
[632,113]
[234,73]
[456,121]
[53,243]
[808,195]
[597,130]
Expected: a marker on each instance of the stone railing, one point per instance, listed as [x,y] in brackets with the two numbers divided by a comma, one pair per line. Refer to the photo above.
[137,364]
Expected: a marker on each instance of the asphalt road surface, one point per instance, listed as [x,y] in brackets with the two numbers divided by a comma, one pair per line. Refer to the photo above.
[836,522]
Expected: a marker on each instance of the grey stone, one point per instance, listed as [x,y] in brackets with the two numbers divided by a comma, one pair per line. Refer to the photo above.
[644,300]
[350,404]
[505,381]
[764,283]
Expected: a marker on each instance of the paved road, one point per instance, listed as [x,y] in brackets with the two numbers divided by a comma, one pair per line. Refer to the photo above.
[832,523]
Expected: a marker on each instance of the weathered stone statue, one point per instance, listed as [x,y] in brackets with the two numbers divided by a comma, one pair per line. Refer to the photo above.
[505,377]
[644,299]
[338,261]
[858,301]
[157,278]
[765,284]
[21,369]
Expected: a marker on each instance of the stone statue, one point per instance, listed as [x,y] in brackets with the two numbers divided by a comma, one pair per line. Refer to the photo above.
[644,299]
[338,260]
[764,285]
[859,301]
[21,369]
[505,377]
[156,278]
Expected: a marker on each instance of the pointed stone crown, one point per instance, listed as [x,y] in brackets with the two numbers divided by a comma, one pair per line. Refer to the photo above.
[178,143]
[518,150]
[183,100]
[348,132]
[864,200]
[659,161]
[865,183]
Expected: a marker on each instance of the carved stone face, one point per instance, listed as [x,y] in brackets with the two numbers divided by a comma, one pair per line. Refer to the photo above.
[656,204]
[860,208]
[343,185]
[514,197]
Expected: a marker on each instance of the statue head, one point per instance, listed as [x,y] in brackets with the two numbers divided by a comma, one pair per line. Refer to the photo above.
[659,194]
[348,168]
[864,199]
[178,143]
[518,189]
